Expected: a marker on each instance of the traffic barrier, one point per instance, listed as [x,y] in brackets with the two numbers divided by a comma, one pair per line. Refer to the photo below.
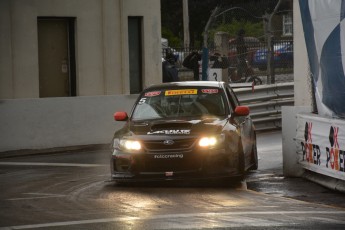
[265,102]
[73,121]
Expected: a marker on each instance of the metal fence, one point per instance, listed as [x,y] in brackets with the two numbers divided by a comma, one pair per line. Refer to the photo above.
[265,103]
[267,37]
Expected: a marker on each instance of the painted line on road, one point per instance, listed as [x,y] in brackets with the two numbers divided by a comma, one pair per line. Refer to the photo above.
[37,196]
[170,216]
[50,164]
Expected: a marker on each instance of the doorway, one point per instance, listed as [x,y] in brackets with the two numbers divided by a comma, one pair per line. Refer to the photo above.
[135,54]
[56,57]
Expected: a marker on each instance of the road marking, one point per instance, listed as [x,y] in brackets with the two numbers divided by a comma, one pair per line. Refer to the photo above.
[170,216]
[50,164]
[37,196]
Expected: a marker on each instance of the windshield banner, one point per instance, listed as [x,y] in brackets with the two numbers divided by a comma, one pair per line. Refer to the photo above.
[181,92]
[324,31]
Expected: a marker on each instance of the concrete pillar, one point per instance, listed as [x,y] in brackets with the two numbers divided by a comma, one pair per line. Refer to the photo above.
[291,167]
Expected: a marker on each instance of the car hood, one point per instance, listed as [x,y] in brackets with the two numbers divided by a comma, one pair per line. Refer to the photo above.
[175,127]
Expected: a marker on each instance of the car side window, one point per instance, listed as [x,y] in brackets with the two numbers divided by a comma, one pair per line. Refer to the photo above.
[232,98]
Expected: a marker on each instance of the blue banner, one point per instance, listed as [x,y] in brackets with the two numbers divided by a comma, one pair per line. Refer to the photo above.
[324,32]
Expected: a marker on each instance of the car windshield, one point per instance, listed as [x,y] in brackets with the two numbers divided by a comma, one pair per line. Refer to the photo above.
[173,103]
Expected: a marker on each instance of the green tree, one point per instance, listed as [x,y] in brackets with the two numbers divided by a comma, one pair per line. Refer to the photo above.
[253,29]
[173,40]
[200,11]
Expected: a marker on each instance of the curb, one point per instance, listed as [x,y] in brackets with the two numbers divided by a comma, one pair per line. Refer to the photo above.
[326,181]
[58,150]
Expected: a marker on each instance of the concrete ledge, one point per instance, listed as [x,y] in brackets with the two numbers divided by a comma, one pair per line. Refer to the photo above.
[46,123]
[326,181]
[69,149]
[291,168]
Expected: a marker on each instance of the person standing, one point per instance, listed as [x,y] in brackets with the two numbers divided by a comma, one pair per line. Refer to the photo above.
[192,62]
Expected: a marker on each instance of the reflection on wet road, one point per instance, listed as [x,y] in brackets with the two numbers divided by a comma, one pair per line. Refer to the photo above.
[73,191]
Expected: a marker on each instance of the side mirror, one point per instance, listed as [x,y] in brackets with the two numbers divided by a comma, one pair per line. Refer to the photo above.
[120,116]
[242,111]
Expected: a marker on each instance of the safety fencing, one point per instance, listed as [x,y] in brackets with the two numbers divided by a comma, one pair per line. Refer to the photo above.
[265,102]
[245,36]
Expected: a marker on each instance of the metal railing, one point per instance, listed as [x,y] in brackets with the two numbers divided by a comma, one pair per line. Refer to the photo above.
[282,65]
[265,103]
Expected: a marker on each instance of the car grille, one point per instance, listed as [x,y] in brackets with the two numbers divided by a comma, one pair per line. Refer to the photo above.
[169,144]
[176,155]
[172,161]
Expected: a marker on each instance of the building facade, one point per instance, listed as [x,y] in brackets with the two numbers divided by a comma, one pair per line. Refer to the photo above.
[63,48]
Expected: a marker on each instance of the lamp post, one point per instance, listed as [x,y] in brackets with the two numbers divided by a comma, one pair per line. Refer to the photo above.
[205,48]
[270,47]
[186,39]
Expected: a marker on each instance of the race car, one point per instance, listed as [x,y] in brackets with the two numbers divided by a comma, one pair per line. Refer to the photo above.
[184,130]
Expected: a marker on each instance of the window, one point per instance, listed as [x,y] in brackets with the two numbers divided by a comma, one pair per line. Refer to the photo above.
[160,104]
[287,25]
[135,54]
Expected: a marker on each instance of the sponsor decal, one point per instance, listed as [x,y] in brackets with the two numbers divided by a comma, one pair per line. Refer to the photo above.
[332,158]
[311,153]
[169,173]
[172,132]
[168,142]
[142,101]
[209,91]
[335,156]
[152,94]
[181,92]
[168,156]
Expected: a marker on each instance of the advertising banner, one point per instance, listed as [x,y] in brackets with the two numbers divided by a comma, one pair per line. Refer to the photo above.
[324,32]
[321,145]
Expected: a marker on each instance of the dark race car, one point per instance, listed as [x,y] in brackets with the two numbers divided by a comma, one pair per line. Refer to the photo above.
[184,130]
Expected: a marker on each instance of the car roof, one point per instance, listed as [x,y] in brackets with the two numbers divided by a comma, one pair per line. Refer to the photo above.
[186,84]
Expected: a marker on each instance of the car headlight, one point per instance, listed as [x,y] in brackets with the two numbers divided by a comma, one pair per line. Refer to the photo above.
[130,145]
[211,141]
[123,144]
[207,141]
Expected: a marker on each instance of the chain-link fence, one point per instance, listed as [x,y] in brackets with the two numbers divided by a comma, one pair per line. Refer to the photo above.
[241,44]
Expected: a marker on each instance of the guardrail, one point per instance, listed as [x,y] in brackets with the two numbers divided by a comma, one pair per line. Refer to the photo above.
[265,103]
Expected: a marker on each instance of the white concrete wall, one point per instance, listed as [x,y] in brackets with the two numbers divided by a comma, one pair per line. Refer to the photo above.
[303,104]
[101,44]
[60,122]
[101,33]
[302,98]
[151,40]
[291,167]
[303,95]
[6,83]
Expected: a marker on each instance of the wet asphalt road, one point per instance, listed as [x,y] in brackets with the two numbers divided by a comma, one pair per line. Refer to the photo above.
[71,190]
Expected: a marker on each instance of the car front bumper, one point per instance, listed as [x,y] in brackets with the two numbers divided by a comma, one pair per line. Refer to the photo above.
[212,163]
